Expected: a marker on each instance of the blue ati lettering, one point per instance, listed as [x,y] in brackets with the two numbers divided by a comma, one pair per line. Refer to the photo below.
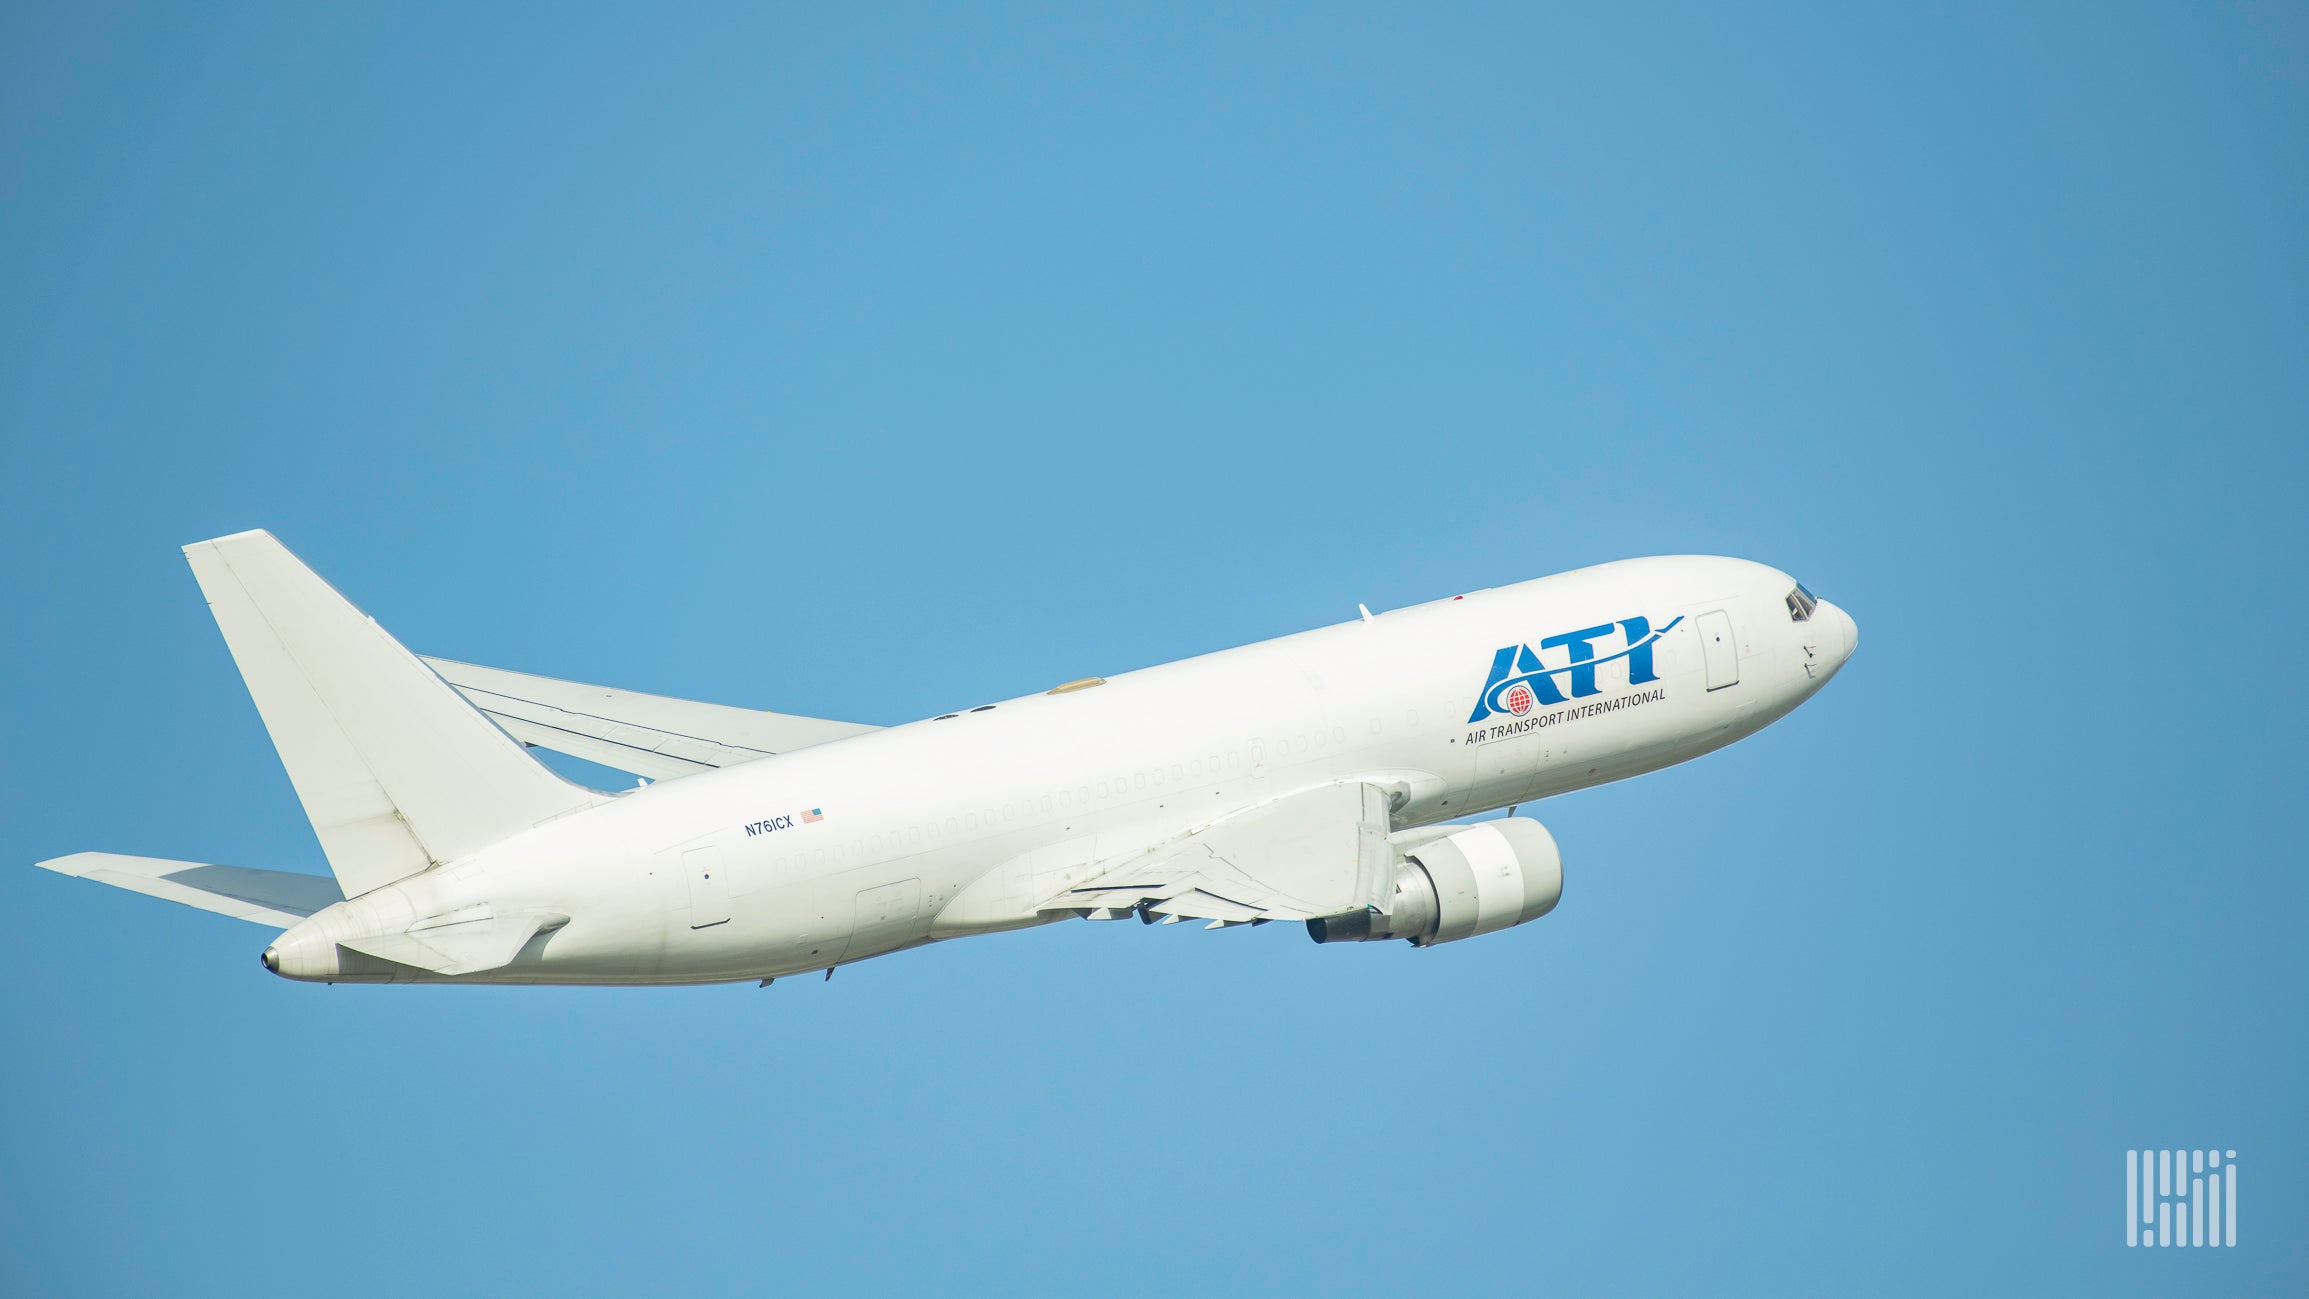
[772,825]
[1521,679]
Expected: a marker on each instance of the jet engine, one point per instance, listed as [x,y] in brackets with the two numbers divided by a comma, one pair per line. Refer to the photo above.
[1486,877]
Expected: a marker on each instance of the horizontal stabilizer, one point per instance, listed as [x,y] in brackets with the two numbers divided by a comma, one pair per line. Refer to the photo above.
[467,947]
[648,735]
[276,898]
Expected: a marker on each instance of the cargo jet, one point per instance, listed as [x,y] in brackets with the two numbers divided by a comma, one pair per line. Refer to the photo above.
[1324,777]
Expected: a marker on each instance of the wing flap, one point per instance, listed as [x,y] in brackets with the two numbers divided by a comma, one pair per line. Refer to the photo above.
[276,898]
[1202,904]
[650,735]
[1319,852]
[622,752]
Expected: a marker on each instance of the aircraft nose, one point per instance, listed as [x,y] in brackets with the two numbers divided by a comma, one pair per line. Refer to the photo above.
[1847,629]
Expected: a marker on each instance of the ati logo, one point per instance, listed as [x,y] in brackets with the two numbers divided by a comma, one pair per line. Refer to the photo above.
[1520,681]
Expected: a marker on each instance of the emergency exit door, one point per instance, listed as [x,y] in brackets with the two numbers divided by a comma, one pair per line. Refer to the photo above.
[1717,648]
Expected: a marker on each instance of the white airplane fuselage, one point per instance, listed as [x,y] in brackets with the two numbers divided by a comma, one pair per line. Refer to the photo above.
[962,824]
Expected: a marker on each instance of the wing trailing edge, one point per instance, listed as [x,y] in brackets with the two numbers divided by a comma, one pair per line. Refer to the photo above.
[1319,852]
[649,735]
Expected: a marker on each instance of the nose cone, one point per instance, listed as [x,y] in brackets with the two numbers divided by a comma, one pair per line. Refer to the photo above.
[1847,631]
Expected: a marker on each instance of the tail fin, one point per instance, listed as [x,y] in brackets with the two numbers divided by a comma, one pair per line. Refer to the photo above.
[395,768]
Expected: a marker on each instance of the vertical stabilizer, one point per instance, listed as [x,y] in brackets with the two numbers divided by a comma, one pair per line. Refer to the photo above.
[395,768]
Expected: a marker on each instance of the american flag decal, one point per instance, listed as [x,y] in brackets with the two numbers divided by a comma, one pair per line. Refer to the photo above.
[812,815]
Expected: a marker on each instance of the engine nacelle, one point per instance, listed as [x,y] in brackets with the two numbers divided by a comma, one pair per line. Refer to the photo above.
[1484,878]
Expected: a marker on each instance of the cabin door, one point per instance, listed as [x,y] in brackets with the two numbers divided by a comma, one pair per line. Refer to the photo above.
[1719,650]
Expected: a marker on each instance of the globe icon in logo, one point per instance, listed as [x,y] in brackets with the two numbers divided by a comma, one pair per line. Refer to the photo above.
[1519,699]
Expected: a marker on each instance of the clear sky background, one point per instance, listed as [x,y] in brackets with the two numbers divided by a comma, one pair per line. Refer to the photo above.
[869,362]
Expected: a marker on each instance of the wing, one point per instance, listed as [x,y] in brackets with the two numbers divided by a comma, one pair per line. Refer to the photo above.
[649,735]
[275,898]
[1320,852]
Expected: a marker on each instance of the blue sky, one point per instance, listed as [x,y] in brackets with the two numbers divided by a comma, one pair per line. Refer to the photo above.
[865,363]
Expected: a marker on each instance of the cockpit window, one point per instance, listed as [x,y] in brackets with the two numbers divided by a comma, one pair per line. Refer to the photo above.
[1800,602]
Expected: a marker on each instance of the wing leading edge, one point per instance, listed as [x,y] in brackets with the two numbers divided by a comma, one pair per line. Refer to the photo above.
[1320,852]
[650,735]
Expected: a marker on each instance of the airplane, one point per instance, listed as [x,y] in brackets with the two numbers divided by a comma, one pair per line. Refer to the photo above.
[1325,777]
